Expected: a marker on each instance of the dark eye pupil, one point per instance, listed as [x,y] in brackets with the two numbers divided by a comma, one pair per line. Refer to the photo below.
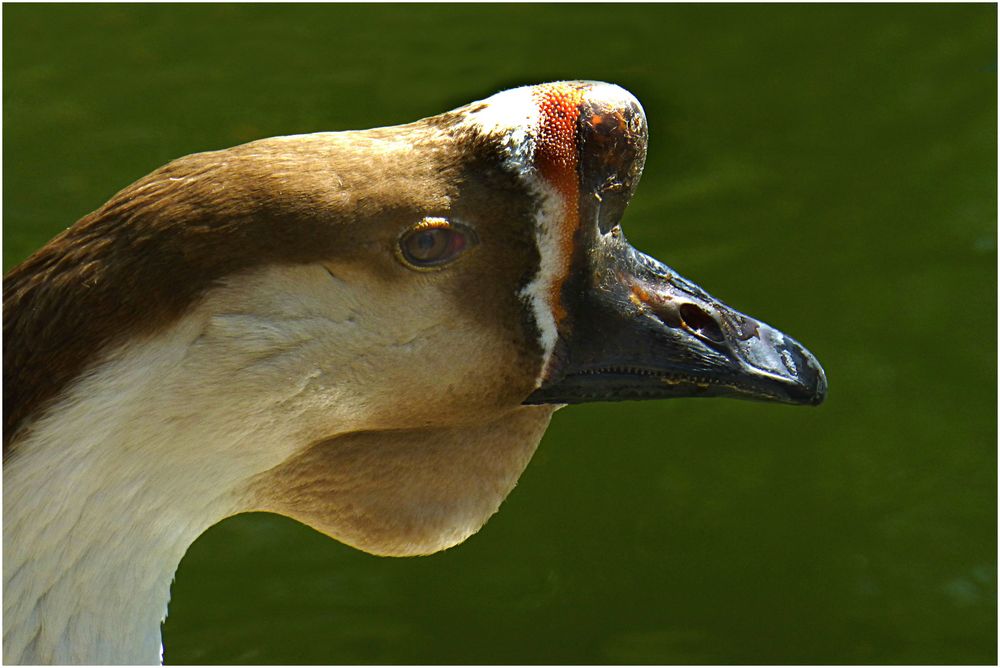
[426,241]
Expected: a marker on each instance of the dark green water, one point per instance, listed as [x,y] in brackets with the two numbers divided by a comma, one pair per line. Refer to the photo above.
[829,169]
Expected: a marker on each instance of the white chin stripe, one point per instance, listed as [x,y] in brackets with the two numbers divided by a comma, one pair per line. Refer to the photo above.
[515,117]
[551,271]
[537,128]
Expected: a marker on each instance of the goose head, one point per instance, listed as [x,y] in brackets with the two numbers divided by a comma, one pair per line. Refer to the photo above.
[366,331]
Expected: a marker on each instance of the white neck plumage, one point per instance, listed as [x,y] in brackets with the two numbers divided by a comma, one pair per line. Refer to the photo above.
[101,504]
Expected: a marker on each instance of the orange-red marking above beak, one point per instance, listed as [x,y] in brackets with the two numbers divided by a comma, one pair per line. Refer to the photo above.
[556,160]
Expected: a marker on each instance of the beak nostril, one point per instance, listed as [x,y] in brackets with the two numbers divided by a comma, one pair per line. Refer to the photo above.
[701,322]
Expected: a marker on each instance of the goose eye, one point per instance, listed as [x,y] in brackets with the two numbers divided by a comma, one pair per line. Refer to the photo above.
[432,243]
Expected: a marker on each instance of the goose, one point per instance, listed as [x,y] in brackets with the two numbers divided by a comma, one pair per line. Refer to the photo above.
[367,331]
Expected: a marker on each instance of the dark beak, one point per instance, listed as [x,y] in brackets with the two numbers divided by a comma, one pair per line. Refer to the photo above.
[641,331]
[634,328]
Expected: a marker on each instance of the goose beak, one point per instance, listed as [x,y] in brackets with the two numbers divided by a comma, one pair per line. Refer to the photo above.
[641,331]
[632,328]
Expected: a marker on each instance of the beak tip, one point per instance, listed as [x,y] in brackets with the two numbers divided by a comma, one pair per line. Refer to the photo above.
[814,385]
[819,393]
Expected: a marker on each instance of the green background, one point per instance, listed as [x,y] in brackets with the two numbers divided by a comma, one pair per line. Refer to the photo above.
[829,169]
